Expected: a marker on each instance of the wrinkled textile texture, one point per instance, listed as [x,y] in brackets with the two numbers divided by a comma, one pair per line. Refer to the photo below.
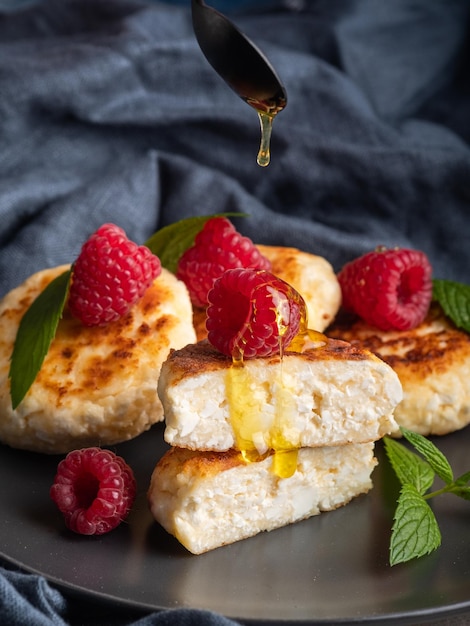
[109,112]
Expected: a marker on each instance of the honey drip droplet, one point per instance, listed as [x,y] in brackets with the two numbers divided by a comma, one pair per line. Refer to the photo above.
[267,109]
[264,154]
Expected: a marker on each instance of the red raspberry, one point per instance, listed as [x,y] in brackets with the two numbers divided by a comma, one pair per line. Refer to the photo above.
[253,313]
[388,288]
[110,275]
[94,489]
[217,247]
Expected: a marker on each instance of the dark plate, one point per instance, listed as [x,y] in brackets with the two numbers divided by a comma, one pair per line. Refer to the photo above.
[329,569]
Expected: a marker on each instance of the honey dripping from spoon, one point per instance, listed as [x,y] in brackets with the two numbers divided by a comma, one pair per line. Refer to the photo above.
[267,111]
[264,153]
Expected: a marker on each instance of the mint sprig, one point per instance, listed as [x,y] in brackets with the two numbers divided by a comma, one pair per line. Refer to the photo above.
[36,331]
[415,530]
[454,299]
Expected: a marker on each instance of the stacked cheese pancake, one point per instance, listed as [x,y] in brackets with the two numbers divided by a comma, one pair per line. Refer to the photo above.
[432,362]
[311,275]
[277,440]
[97,385]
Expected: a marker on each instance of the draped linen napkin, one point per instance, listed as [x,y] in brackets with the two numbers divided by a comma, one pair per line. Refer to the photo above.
[109,112]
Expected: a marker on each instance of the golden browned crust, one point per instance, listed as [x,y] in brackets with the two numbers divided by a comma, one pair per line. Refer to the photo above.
[102,353]
[110,350]
[433,347]
[198,463]
[202,357]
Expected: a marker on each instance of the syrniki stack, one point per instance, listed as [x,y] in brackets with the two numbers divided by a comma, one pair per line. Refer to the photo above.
[97,385]
[267,444]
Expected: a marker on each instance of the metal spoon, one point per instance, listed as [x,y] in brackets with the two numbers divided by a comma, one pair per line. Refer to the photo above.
[243,67]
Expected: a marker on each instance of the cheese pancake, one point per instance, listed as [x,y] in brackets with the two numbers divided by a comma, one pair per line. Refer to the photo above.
[333,394]
[209,499]
[433,364]
[97,385]
[311,275]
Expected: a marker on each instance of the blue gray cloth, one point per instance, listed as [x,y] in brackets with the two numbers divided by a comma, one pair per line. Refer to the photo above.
[109,112]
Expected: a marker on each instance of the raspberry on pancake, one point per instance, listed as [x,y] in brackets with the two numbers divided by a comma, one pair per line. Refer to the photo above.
[311,275]
[217,247]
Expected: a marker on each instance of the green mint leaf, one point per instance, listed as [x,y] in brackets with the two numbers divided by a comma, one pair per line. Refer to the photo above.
[431,453]
[408,466]
[454,298]
[415,531]
[36,331]
[462,492]
[171,241]
[460,487]
[461,481]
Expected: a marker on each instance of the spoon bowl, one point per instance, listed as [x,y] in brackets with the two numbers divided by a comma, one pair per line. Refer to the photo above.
[242,65]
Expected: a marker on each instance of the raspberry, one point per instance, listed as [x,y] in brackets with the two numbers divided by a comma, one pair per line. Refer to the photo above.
[253,313]
[94,489]
[217,247]
[110,275]
[390,289]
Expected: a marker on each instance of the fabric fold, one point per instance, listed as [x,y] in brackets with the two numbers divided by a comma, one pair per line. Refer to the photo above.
[88,90]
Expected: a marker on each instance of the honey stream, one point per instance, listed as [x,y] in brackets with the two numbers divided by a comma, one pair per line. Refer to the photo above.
[267,111]
[257,434]
[264,155]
